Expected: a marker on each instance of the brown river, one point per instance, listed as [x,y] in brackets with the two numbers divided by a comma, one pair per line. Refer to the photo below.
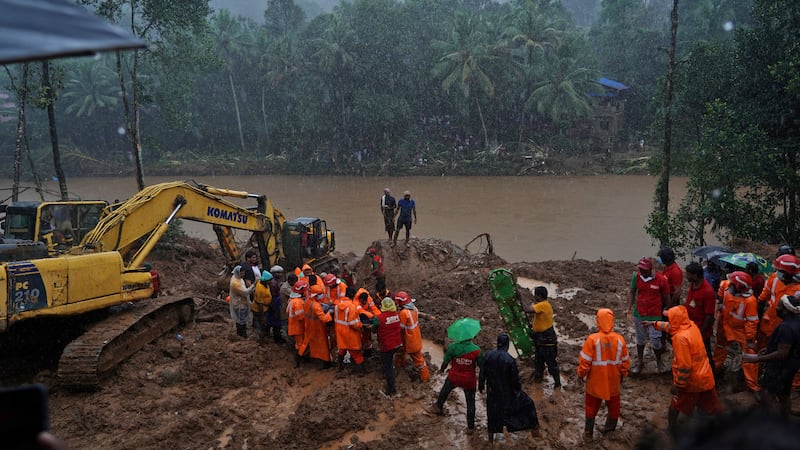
[528,218]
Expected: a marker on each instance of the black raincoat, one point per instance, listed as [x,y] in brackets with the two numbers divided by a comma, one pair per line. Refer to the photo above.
[507,405]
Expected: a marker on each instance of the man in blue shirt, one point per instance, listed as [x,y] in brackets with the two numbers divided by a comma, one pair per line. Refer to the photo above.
[405,208]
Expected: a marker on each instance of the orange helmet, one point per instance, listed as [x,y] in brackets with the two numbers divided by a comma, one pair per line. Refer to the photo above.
[402,298]
[300,286]
[740,280]
[787,263]
[307,267]
[329,280]
[316,290]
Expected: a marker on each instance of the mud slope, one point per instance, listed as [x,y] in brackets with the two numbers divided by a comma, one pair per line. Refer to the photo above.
[206,388]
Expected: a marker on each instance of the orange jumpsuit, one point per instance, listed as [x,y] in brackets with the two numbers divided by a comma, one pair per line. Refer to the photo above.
[336,293]
[774,289]
[315,335]
[691,371]
[348,329]
[603,361]
[296,323]
[412,341]
[739,317]
[370,310]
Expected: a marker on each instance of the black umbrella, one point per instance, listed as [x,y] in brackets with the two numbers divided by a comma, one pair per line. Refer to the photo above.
[43,29]
[709,252]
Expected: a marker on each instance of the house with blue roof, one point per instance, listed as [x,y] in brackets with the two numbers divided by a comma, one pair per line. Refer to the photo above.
[609,114]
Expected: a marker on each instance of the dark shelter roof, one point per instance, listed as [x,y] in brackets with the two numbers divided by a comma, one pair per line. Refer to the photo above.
[42,29]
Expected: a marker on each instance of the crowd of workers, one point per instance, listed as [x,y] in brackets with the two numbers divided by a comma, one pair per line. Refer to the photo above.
[754,325]
[738,323]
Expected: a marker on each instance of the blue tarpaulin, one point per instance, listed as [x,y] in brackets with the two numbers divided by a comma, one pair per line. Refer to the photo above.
[611,84]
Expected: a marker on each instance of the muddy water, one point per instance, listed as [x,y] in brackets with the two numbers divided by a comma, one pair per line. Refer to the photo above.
[528,218]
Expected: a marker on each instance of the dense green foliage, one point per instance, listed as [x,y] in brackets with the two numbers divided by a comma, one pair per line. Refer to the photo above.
[448,86]
[741,110]
[376,86]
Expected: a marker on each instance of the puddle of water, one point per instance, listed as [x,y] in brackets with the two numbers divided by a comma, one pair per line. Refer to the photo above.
[570,293]
[530,284]
[589,319]
[225,439]
[435,350]
[375,430]
[566,339]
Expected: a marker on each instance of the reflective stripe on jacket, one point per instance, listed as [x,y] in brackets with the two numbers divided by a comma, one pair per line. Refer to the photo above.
[739,317]
[604,358]
[348,325]
[296,314]
[691,370]
[412,336]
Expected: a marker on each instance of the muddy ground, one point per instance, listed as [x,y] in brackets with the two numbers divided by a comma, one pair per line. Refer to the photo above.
[202,387]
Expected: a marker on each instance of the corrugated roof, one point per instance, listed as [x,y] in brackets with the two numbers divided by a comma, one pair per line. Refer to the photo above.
[611,84]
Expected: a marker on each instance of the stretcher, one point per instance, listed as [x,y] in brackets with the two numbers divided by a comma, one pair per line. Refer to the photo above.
[503,285]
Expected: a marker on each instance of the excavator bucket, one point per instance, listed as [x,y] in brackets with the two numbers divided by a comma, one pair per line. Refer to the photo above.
[504,292]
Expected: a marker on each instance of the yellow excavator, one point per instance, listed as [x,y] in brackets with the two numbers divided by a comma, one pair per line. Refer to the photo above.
[106,268]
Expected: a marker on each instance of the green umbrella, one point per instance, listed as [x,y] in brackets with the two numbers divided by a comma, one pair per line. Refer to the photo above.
[742,259]
[463,329]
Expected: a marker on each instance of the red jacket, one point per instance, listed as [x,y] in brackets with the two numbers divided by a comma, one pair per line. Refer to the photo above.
[388,331]
[649,294]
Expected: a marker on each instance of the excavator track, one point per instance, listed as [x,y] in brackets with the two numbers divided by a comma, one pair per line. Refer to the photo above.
[109,342]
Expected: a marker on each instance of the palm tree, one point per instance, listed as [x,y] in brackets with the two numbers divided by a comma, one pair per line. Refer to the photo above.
[334,63]
[467,63]
[561,93]
[232,40]
[90,87]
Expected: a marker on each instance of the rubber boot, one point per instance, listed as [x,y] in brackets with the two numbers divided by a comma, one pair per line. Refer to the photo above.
[241,330]
[340,363]
[556,378]
[424,373]
[588,429]
[276,334]
[660,367]
[611,425]
[297,359]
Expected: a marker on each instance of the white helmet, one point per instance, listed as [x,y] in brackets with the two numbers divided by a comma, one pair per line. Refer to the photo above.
[276,269]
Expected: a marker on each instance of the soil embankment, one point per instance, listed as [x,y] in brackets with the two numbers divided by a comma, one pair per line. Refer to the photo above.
[203,387]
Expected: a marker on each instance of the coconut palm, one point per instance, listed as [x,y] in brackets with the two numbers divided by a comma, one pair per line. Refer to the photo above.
[468,62]
[232,41]
[89,87]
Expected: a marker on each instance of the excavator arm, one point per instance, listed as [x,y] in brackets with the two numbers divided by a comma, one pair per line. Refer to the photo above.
[134,226]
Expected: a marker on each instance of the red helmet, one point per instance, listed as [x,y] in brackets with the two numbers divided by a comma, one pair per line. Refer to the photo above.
[740,280]
[787,263]
[300,286]
[402,298]
[372,251]
[329,280]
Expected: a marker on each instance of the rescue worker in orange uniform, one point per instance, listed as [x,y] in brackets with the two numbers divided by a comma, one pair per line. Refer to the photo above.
[367,311]
[296,315]
[336,289]
[693,385]
[412,336]
[739,317]
[348,333]
[308,271]
[602,363]
[315,335]
[782,282]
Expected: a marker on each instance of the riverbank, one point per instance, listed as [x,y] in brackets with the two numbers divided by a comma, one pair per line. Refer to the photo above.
[542,161]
